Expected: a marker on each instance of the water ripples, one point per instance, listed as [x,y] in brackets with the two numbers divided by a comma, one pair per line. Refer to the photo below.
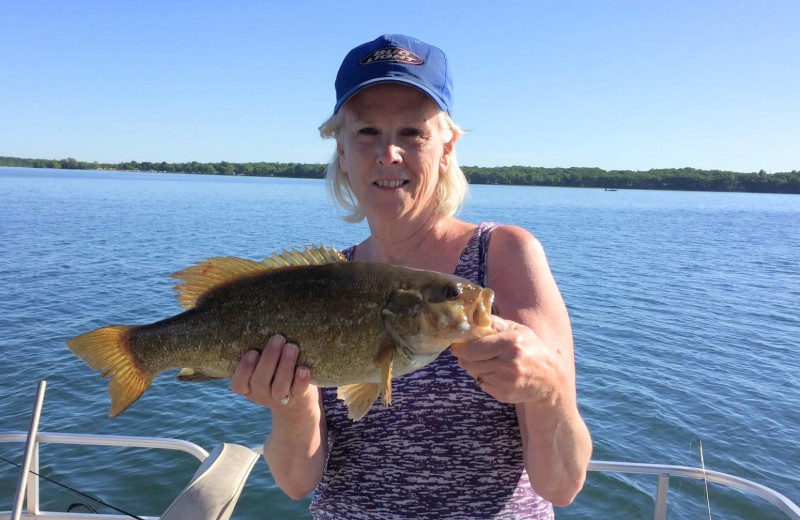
[683,305]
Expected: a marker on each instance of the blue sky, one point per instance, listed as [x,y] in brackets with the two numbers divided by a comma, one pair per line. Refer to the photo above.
[614,84]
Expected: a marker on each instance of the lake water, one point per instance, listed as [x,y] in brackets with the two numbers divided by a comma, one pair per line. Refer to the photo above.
[684,307]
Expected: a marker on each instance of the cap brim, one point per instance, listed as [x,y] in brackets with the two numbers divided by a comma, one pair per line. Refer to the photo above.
[371,82]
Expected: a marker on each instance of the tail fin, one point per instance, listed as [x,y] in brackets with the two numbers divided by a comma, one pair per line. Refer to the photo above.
[107,349]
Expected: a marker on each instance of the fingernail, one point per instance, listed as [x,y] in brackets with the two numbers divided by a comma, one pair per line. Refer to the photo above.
[252,357]
[276,341]
[291,349]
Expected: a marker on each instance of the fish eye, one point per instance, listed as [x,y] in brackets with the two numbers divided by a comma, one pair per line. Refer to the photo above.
[452,292]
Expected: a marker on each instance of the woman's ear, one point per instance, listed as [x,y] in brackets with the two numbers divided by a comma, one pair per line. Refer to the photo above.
[447,150]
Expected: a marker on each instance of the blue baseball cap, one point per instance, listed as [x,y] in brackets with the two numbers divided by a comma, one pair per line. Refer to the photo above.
[399,59]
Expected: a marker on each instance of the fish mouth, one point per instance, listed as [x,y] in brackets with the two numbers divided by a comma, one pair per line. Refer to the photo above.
[480,314]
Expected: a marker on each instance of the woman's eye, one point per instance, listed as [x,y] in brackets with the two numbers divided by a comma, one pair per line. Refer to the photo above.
[410,132]
[368,131]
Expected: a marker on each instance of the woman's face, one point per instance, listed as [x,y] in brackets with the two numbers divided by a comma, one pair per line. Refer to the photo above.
[391,147]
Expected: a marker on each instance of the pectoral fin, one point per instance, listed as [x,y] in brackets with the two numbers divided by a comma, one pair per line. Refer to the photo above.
[358,398]
[194,376]
[385,356]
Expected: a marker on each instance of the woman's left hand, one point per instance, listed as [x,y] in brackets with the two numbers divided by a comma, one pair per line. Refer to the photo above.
[513,366]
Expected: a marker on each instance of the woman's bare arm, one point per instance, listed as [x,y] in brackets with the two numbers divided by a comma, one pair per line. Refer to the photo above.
[530,363]
[295,447]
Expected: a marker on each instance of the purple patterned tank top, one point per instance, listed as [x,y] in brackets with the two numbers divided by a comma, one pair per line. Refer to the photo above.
[444,449]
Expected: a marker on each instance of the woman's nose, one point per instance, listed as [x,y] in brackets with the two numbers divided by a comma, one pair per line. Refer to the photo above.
[389,153]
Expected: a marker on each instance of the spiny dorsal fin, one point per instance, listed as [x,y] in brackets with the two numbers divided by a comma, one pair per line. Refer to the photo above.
[204,276]
[313,256]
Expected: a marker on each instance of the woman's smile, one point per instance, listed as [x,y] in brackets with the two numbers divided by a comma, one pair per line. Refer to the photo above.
[390,184]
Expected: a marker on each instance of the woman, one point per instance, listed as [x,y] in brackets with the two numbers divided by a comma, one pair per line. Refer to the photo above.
[491,428]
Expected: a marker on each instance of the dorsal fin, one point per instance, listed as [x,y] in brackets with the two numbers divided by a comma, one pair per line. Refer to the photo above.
[204,276]
[308,256]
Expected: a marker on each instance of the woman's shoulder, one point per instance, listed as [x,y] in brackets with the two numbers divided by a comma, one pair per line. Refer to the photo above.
[513,243]
[518,271]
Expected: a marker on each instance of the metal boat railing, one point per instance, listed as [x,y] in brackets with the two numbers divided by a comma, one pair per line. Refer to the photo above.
[32,492]
[28,485]
[125,441]
[662,472]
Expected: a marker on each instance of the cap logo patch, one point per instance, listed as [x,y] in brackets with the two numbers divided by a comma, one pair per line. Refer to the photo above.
[397,54]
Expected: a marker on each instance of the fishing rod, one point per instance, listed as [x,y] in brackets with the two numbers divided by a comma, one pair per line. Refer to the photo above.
[705,478]
[76,492]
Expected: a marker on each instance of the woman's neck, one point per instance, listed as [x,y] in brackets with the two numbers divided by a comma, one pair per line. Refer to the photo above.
[426,246]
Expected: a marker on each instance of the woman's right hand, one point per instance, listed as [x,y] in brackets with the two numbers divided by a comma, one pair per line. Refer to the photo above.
[273,379]
[295,447]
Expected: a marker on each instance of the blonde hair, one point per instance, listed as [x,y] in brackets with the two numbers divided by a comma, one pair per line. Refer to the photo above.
[450,190]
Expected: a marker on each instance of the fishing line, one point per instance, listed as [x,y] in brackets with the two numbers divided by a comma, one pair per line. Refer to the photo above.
[75,491]
[705,478]
[677,493]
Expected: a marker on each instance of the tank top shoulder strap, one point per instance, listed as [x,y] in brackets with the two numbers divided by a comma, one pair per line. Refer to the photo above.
[348,253]
[472,264]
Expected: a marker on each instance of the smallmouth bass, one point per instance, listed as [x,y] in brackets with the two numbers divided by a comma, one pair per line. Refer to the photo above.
[357,324]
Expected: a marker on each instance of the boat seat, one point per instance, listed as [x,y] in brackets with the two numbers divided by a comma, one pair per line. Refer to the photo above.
[215,487]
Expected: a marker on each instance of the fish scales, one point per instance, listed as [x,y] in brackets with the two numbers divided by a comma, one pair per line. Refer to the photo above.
[296,302]
[357,324]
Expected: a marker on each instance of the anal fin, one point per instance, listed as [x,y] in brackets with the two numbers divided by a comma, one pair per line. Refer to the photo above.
[358,398]
[195,376]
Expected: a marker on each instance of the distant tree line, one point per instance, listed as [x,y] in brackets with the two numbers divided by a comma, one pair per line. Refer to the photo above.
[689,179]
[260,169]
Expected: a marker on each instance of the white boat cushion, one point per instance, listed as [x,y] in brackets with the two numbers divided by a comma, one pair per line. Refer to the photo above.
[213,491]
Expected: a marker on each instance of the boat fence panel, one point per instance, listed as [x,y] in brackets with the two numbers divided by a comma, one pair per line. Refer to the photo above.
[32,496]
[664,472]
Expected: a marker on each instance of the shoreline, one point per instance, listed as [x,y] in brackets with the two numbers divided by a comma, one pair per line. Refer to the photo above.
[667,179]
